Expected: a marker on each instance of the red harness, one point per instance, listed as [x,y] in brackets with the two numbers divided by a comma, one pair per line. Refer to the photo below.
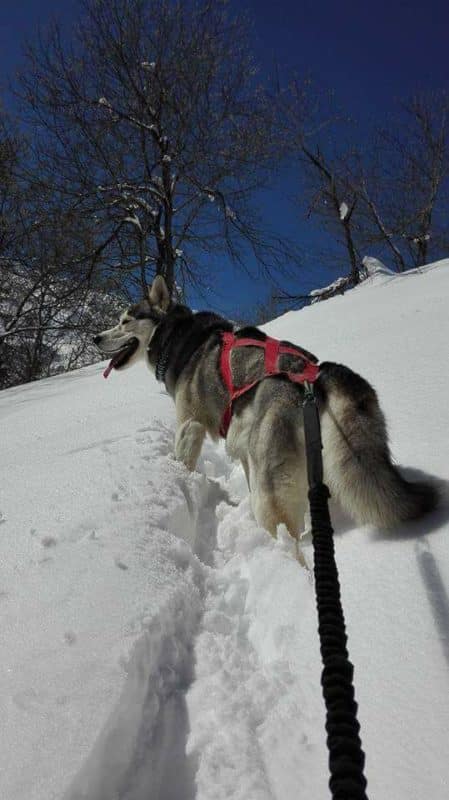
[273,349]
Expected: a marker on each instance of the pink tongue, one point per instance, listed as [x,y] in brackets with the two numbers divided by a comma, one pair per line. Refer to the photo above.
[108,369]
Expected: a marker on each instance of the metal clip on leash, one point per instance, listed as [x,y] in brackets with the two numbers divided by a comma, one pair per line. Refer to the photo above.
[346,757]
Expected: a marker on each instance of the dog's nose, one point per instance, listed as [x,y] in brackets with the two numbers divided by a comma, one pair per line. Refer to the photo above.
[97,339]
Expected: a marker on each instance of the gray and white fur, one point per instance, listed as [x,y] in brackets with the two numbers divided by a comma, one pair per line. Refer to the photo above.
[266,432]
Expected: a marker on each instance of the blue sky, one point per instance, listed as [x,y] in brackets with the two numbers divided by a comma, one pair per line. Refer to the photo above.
[370,54]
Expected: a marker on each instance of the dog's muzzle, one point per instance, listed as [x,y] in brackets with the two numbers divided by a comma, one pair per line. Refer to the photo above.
[121,356]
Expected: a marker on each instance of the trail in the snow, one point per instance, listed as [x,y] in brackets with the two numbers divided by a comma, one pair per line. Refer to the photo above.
[141,753]
[254,695]
[202,680]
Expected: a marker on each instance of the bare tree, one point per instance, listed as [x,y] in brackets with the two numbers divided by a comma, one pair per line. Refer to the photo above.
[47,320]
[335,200]
[388,196]
[11,195]
[49,307]
[150,121]
[325,173]
[404,185]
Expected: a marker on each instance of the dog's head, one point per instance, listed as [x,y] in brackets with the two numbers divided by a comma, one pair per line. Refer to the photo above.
[128,341]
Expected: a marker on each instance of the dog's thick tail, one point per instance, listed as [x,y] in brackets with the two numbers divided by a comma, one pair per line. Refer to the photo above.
[357,462]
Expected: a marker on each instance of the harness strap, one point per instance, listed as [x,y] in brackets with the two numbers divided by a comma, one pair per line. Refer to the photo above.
[227,339]
[271,355]
[273,349]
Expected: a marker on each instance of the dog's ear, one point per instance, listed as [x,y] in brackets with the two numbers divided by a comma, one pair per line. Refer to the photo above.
[158,293]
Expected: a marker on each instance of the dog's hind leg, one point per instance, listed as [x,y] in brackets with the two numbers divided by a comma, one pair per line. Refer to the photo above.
[280,496]
[188,442]
[245,465]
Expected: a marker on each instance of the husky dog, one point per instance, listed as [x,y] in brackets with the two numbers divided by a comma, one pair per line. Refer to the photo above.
[266,428]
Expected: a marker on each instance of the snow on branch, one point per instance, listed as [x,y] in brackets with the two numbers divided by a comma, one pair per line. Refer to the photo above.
[134,220]
[338,286]
[344,210]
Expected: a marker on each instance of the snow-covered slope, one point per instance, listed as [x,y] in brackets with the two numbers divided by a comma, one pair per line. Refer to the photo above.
[157,645]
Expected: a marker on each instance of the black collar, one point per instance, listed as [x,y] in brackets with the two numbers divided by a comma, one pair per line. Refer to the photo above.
[162,362]
[178,336]
[162,339]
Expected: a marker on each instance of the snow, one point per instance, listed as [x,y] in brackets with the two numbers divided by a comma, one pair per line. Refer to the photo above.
[339,284]
[372,265]
[157,644]
[134,220]
[343,211]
